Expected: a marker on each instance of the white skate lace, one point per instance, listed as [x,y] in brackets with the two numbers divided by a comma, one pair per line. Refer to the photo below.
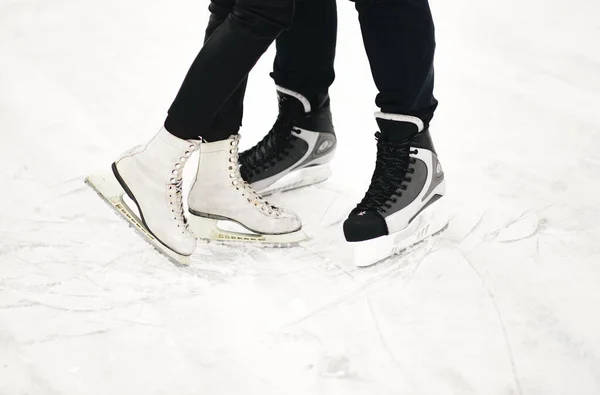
[252,197]
[175,188]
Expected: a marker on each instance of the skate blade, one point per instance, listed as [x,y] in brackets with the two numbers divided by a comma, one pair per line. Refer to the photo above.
[298,179]
[109,189]
[231,233]
[425,226]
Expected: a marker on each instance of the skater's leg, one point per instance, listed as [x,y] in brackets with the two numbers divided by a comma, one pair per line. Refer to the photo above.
[399,38]
[219,11]
[306,52]
[151,174]
[218,192]
[408,178]
[296,151]
[223,63]
[304,59]
[228,119]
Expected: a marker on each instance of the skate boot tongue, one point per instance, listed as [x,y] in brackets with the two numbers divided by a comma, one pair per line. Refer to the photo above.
[291,103]
[396,132]
[294,104]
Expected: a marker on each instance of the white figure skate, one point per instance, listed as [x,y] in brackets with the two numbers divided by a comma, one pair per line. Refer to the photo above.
[150,176]
[224,207]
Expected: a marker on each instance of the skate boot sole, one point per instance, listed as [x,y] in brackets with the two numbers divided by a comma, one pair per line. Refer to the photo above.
[208,227]
[111,190]
[427,224]
[301,178]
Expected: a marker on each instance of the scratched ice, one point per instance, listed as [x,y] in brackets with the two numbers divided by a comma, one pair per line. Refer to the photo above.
[504,302]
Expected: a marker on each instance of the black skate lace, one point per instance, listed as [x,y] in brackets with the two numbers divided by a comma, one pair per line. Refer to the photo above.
[271,149]
[392,172]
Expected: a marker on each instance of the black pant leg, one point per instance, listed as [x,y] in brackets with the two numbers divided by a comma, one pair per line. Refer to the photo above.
[228,119]
[223,63]
[399,37]
[306,52]
[304,61]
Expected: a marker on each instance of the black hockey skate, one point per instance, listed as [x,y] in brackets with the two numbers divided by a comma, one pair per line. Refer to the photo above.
[297,150]
[408,178]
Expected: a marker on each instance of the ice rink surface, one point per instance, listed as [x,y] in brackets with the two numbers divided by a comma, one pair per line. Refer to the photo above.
[505,302]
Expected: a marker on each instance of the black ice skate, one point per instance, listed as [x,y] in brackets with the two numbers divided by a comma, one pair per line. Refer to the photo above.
[395,212]
[297,150]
